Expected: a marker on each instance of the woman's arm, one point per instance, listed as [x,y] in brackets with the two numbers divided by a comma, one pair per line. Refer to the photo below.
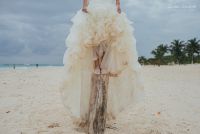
[85,4]
[118,6]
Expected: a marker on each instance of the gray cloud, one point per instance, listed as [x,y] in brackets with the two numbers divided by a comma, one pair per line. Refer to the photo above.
[34,31]
[159,21]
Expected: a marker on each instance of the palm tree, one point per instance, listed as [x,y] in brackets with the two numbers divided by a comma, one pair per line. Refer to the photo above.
[177,50]
[193,46]
[142,60]
[159,53]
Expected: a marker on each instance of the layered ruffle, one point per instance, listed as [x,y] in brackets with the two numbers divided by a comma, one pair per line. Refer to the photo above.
[113,32]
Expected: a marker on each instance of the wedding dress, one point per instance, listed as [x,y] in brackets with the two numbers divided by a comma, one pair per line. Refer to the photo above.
[102,30]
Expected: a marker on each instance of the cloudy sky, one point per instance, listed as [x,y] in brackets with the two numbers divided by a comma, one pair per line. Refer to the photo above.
[34,31]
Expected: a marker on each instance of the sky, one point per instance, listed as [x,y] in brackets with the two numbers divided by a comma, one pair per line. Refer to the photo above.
[34,31]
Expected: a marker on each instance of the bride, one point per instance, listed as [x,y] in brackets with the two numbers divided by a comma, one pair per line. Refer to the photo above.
[101,41]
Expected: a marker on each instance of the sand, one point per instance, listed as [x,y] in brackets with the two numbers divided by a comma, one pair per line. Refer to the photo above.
[30,103]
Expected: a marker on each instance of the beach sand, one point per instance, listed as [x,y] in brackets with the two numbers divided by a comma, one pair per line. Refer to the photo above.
[30,103]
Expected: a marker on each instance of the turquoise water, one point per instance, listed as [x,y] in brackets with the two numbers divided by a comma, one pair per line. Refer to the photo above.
[26,66]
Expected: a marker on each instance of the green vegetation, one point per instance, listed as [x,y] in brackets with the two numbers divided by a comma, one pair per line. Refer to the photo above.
[177,52]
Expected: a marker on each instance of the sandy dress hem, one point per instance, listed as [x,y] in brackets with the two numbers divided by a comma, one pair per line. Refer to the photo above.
[101,26]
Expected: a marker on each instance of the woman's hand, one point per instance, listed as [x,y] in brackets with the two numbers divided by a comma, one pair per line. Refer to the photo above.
[118,6]
[119,10]
[85,4]
[85,10]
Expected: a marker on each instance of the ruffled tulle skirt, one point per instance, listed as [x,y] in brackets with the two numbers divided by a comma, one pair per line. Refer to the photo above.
[101,30]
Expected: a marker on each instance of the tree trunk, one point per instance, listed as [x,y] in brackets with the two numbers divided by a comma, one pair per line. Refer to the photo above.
[192,59]
[98,104]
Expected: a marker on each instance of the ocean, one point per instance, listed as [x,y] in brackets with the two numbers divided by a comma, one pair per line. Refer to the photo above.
[27,66]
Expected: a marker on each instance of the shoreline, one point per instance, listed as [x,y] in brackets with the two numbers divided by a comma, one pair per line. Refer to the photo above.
[61,66]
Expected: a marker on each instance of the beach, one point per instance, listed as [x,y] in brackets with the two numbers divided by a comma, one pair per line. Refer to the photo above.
[30,103]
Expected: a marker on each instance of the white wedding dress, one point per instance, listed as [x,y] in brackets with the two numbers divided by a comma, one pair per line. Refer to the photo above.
[105,30]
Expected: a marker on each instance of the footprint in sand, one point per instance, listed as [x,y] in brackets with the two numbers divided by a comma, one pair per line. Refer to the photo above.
[53,125]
